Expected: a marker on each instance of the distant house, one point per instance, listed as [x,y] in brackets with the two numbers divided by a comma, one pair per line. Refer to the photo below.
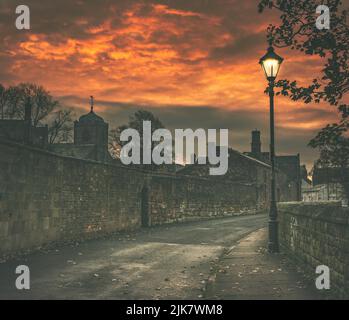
[288,164]
[329,181]
[23,131]
[314,193]
[248,170]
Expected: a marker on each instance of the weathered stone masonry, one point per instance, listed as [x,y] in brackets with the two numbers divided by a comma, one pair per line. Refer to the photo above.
[183,198]
[47,198]
[318,234]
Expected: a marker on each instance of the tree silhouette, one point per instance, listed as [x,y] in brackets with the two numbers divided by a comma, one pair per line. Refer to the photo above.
[60,127]
[135,122]
[44,109]
[299,32]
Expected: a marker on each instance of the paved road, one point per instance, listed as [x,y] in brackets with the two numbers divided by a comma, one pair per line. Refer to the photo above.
[163,262]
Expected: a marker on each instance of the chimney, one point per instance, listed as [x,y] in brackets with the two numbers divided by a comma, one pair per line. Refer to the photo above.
[28,110]
[256,145]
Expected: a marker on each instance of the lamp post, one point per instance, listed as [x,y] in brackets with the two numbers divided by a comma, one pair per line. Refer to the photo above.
[271,63]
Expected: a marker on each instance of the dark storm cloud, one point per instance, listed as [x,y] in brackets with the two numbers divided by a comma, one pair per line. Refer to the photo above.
[312,112]
[244,47]
[72,18]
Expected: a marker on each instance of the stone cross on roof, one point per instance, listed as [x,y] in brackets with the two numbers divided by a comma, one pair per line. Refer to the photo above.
[91,102]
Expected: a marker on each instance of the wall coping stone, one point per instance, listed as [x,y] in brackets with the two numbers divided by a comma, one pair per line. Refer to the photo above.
[318,210]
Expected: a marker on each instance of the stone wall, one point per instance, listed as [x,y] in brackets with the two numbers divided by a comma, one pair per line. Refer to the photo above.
[48,198]
[318,234]
[247,170]
[182,198]
[45,198]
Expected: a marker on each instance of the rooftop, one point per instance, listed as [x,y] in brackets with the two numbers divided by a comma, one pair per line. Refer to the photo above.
[90,117]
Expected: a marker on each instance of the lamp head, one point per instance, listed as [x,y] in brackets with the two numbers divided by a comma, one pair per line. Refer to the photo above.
[271,63]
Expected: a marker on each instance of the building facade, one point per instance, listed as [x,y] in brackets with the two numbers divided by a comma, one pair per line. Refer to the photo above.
[329,184]
[289,165]
[23,131]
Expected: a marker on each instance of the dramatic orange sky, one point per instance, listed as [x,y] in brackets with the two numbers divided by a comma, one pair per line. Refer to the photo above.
[193,63]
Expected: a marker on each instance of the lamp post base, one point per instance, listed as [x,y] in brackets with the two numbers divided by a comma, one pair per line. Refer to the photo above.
[273,244]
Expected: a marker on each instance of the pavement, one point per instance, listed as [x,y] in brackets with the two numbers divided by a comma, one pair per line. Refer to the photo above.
[213,259]
[248,272]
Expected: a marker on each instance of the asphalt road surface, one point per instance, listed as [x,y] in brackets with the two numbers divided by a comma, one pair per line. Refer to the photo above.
[165,262]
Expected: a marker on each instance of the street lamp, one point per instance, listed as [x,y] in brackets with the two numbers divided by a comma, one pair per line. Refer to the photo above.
[271,63]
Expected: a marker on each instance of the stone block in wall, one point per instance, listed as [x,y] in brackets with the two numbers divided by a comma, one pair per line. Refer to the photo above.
[315,234]
[17,227]
[46,223]
[4,228]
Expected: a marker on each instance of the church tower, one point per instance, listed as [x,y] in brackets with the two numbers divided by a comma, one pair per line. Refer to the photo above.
[91,129]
